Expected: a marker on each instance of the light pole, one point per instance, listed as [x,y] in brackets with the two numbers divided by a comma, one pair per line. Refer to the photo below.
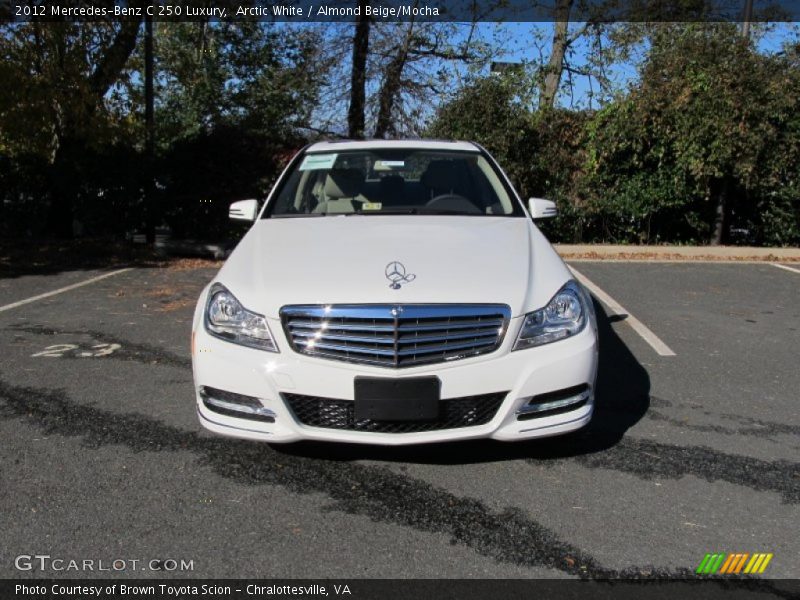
[149,135]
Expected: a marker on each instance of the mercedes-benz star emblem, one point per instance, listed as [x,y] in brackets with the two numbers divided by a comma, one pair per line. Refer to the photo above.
[396,274]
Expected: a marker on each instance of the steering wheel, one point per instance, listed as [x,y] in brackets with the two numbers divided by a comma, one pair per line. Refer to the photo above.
[454,202]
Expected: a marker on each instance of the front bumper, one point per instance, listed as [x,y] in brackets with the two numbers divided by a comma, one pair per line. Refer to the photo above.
[526,373]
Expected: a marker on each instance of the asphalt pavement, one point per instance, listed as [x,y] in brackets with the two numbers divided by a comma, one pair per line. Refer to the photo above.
[102,457]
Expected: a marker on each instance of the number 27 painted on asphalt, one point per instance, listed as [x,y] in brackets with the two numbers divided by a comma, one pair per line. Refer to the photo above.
[58,350]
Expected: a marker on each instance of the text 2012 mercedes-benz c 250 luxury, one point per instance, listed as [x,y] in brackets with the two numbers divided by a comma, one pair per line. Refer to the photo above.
[394,292]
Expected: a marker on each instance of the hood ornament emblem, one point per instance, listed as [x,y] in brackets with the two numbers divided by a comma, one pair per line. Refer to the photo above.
[397,275]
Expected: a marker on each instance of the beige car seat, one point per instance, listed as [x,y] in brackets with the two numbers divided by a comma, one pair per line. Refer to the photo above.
[342,186]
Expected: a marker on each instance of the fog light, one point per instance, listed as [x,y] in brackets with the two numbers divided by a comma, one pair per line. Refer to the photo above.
[556,402]
[235,405]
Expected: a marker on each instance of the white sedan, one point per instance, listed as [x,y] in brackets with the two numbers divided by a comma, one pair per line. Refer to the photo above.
[394,292]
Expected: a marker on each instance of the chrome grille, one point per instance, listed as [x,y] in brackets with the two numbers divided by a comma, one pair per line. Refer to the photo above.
[395,335]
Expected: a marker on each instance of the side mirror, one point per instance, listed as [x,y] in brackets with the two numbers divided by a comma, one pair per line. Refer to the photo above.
[244,210]
[541,208]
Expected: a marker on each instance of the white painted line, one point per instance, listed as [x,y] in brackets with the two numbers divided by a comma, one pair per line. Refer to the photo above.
[785,267]
[617,309]
[685,261]
[62,290]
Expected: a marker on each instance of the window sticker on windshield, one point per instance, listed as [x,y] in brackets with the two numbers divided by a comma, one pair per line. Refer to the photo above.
[313,162]
[372,206]
[392,164]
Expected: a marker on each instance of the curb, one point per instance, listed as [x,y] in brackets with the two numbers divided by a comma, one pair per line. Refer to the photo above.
[740,254]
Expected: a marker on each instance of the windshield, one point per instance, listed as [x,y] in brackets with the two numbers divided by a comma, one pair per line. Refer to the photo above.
[393,181]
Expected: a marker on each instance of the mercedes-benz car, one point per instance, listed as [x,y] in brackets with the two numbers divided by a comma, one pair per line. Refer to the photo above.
[394,292]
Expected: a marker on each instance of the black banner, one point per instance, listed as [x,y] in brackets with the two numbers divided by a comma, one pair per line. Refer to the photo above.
[315,11]
[390,589]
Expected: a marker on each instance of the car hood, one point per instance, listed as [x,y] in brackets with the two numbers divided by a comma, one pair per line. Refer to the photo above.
[344,260]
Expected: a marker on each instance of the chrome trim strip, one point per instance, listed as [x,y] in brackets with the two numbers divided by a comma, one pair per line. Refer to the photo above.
[458,325]
[345,327]
[384,311]
[440,348]
[347,338]
[527,409]
[412,339]
[338,348]
[261,412]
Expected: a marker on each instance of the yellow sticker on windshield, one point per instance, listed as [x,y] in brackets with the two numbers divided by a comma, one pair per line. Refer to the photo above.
[372,205]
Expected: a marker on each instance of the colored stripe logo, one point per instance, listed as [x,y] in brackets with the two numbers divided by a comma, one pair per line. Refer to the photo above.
[733,564]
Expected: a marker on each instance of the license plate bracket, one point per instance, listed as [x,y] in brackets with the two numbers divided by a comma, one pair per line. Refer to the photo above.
[404,399]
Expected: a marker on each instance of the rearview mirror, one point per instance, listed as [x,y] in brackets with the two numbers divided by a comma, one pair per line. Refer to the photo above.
[541,208]
[244,210]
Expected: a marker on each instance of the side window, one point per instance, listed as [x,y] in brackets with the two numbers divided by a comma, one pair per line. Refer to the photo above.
[288,199]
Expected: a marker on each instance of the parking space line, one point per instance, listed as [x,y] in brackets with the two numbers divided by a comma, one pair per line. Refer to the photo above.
[785,267]
[617,309]
[63,289]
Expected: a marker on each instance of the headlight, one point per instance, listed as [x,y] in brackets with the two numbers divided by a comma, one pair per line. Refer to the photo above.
[565,315]
[227,319]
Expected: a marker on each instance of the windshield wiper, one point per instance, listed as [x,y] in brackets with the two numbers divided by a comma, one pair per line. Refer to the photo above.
[295,215]
[388,211]
[444,211]
[417,210]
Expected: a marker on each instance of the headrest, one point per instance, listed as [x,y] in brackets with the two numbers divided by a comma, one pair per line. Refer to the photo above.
[440,175]
[343,183]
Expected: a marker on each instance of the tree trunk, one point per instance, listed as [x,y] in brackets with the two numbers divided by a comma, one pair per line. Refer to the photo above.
[64,188]
[114,59]
[391,86]
[721,214]
[555,66]
[358,78]
[64,182]
[386,96]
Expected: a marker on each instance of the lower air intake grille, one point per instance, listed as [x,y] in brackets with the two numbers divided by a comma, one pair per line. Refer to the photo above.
[339,414]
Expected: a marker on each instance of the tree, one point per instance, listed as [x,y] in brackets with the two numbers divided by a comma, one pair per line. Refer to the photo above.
[490,112]
[410,67]
[555,65]
[242,91]
[418,62]
[542,151]
[63,73]
[76,105]
[700,139]
[254,75]
[358,79]
[718,96]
